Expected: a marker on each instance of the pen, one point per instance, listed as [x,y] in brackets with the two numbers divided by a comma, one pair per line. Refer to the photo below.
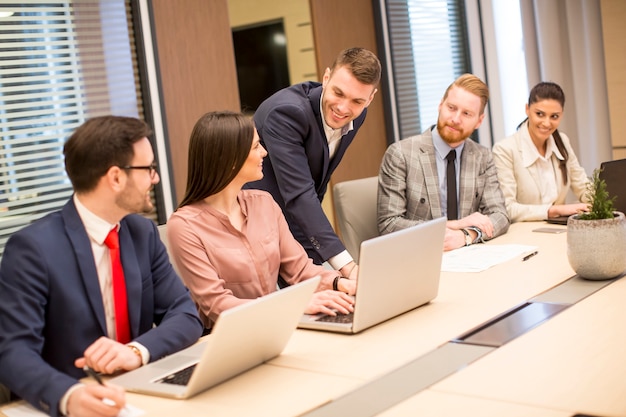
[90,372]
[530,255]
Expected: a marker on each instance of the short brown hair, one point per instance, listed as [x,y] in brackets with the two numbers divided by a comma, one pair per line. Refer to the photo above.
[363,64]
[474,85]
[97,145]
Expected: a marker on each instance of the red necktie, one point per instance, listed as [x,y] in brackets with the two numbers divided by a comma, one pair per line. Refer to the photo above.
[122,326]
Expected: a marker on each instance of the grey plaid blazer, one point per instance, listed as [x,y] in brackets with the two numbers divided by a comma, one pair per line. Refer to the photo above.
[408,185]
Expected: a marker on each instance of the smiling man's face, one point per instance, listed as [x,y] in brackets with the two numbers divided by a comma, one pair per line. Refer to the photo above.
[344,97]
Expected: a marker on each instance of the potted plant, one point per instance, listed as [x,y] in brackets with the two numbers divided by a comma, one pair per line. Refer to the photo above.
[596,241]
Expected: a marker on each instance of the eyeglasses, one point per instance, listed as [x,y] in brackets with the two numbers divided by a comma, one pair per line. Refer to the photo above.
[152,168]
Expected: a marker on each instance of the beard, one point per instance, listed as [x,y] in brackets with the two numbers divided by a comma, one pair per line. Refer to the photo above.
[451,137]
[134,201]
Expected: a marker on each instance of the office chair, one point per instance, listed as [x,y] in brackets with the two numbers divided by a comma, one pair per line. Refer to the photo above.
[355,204]
[163,235]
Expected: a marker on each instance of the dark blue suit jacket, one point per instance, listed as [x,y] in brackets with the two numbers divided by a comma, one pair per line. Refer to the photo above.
[51,307]
[298,167]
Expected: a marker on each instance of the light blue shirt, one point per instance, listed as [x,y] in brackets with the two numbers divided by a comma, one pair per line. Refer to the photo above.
[441,151]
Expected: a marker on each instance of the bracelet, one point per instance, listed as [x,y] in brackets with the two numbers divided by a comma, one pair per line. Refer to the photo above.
[479,234]
[137,352]
[335,282]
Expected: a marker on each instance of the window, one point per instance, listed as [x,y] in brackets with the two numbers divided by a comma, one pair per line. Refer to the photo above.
[427,45]
[61,62]
[510,58]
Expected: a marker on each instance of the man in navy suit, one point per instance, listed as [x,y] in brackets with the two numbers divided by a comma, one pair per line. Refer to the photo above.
[306,129]
[57,311]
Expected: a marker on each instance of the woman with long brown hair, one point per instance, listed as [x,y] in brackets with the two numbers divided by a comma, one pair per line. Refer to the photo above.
[537,166]
[230,245]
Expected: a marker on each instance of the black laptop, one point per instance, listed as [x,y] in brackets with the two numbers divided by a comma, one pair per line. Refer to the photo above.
[614,175]
[557,220]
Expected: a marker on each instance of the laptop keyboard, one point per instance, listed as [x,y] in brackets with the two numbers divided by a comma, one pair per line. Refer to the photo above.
[180,377]
[339,318]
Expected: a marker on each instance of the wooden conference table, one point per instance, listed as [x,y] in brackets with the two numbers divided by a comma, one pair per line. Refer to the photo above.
[571,363]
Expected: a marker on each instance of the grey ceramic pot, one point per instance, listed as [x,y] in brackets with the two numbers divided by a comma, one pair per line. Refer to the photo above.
[596,249]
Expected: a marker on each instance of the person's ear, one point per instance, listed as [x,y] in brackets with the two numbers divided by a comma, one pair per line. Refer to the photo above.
[116,178]
[326,77]
[369,101]
[480,121]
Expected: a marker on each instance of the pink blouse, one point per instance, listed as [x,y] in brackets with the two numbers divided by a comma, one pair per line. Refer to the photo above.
[223,267]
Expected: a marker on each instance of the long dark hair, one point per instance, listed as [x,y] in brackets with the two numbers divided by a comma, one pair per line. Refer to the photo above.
[218,147]
[551,91]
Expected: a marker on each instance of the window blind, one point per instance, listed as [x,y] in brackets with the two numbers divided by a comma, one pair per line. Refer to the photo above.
[428,50]
[61,62]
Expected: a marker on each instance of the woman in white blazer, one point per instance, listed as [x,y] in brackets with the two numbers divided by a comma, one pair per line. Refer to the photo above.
[537,165]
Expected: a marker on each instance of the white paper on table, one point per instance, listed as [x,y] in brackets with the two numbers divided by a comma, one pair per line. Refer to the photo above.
[27,410]
[477,258]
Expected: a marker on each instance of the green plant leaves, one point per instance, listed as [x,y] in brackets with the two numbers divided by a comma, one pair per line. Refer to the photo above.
[600,201]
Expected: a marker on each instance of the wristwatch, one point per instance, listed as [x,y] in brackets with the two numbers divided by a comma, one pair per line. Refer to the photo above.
[468,237]
[479,234]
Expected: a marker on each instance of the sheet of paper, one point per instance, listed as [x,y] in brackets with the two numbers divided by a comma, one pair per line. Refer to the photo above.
[476,258]
[27,410]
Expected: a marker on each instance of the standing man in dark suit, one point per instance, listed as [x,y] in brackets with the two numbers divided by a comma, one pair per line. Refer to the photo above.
[58,311]
[413,185]
[306,129]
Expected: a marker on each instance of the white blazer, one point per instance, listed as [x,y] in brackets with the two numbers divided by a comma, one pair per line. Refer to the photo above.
[520,184]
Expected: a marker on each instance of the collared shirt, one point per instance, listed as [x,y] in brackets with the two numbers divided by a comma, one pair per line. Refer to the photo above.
[542,167]
[97,230]
[441,151]
[333,136]
[223,266]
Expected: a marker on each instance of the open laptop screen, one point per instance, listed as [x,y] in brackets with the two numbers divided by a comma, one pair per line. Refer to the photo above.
[614,174]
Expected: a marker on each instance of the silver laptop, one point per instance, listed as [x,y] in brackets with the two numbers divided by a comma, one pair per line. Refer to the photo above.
[242,338]
[397,273]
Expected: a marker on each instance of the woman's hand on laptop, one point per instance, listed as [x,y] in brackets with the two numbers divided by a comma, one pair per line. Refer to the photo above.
[558,210]
[330,302]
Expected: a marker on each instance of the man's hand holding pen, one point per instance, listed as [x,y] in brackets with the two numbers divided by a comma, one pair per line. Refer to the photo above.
[97,400]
